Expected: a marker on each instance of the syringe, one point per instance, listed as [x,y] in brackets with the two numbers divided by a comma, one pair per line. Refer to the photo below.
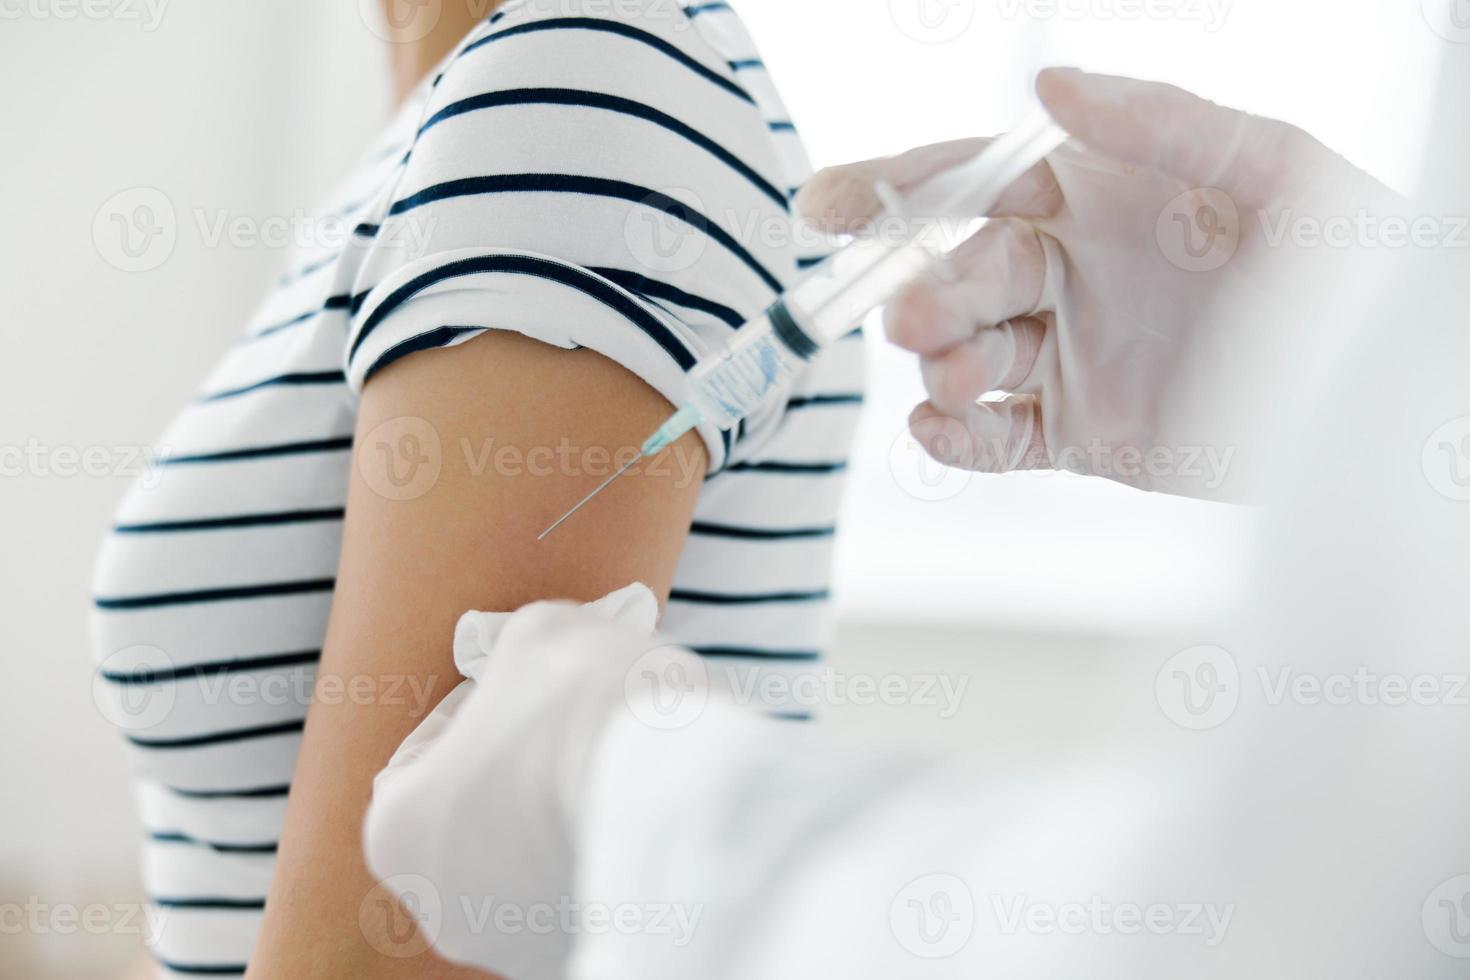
[833,297]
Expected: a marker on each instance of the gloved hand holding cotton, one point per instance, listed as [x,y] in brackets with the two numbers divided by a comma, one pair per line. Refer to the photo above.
[471,823]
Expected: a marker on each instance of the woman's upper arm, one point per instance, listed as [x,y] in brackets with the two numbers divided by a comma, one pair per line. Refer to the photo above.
[552,169]
[461,458]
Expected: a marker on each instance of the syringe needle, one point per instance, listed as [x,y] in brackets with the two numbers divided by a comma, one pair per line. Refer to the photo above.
[675,426]
[585,500]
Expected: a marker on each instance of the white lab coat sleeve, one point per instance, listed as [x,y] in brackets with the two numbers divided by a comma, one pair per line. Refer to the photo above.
[743,847]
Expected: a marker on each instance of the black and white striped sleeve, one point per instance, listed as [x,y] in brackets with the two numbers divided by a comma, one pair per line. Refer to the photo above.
[590,175]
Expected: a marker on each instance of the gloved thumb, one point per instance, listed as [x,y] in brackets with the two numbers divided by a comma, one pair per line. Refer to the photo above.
[1180,134]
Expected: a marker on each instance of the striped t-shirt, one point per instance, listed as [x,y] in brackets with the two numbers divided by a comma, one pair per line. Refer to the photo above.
[616,176]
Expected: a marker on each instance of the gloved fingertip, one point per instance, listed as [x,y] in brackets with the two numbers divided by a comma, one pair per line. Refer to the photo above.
[943,437]
[837,198]
[1100,110]
[921,412]
[923,318]
[1057,84]
[1070,96]
[805,198]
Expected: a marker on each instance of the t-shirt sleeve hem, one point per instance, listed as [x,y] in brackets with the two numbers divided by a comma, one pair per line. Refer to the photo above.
[447,299]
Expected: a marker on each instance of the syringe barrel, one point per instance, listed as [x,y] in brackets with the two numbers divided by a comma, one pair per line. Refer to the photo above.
[763,355]
[824,306]
[834,296]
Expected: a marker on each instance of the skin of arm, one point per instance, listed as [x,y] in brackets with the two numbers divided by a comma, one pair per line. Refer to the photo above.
[410,58]
[410,568]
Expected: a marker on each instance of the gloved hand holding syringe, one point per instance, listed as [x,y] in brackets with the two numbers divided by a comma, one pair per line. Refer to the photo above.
[834,296]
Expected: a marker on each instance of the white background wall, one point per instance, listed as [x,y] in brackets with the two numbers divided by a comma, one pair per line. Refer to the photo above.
[252,109]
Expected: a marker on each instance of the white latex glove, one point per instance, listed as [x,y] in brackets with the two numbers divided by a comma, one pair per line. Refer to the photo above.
[471,822]
[1089,308]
